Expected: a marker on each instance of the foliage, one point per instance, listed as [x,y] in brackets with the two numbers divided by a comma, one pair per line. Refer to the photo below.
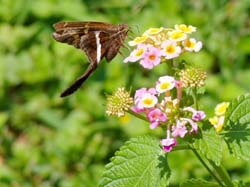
[138,163]
[141,162]
[210,145]
[48,141]
[237,133]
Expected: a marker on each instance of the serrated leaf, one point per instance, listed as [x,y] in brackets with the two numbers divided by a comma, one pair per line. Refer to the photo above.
[237,127]
[140,162]
[210,145]
[199,183]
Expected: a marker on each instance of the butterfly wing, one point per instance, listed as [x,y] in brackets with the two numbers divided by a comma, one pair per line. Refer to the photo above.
[71,32]
[79,81]
[115,44]
[89,45]
[96,39]
[81,26]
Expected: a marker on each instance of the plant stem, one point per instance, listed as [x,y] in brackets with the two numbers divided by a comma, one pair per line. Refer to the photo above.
[223,174]
[137,115]
[194,95]
[170,65]
[206,166]
[181,147]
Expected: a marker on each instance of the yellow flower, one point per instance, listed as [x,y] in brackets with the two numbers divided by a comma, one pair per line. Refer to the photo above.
[153,31]
[213,120]
[155,36]
[177,35]
[217,122]
[139,52]
[138,40]
[221,108]
[184,28]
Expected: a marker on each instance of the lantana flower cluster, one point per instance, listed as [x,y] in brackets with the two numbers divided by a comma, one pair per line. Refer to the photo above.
[163,104]
[159,44]
[161,109]
[218,120]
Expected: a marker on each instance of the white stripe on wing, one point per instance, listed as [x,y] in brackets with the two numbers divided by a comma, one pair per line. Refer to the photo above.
[98,46]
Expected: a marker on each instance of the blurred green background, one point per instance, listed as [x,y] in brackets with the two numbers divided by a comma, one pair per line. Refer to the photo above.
[47,141]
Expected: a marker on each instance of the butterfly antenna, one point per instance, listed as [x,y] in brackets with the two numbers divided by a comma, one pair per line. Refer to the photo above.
[126,46]
[121,53]
[137,29]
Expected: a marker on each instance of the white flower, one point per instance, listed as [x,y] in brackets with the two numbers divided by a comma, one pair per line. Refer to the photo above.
[164,84]
[177,35]
[192,45]
[137,54]
[147,101]
[170,49]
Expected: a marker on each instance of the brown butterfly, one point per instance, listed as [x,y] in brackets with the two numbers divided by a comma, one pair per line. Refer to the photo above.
[96,39]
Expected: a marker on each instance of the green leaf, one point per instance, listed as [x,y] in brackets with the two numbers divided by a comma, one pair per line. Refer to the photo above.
[51,118]
[240,183]
[237,127]
[210,145]
[198,183]
[140,162]
[3,118]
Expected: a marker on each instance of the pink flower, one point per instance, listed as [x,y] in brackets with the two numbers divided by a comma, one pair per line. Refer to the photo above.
[179,129]
[140,92]
[156,116]
[137,110]
[144,99]
[151,58]
[168,143]
[178,84]
[197,114]
[194,126]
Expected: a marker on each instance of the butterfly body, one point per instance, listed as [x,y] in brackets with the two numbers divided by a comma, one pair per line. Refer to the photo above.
[97,39]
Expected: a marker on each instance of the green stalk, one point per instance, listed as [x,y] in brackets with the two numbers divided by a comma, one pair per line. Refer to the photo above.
[181,147]
[206,166]
[221,171]
[194,96]
[170,65]
[137,115]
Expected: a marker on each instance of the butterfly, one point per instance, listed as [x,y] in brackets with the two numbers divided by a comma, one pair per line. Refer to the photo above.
[97,39]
